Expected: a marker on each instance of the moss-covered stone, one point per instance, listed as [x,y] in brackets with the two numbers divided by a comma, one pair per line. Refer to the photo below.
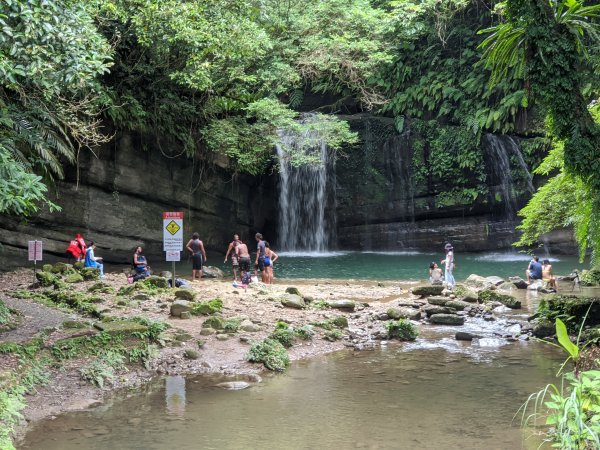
[571,309]
[156,282]
[102,288]
[447,319]
[438,300]
[426,291]
[213,322]
[61,267]
[179,306]
[185,294]
[494,296]
[46,278]
[74,324]
[293,290]
[458,305]
[90,273]
[191,354]
[47,267]
[73,278]
[78,265]
[293,301]
[465,294]
[207,308]
[340,322]
[124,327]
[404,313]
[347,305]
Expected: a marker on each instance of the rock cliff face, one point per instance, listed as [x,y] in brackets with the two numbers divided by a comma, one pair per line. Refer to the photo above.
[118,197]
[380,206]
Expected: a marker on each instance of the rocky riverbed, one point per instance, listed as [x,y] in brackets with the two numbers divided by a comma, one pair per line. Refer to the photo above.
[63,307]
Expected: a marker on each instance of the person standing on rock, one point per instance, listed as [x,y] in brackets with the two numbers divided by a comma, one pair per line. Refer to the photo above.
[196,248]
[140,264]
[260,256]
[270,258]
[234,258]
[243,255]
[450,266]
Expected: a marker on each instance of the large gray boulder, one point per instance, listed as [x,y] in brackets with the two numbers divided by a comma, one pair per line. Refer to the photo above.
[496,281]
[404,313]
[425,291]
[535,285]
[212,272]
[458,305]
[433,309]
[465,294]
[447,319]
[519,282]
[478,282]
[543,328]
[293,301]
[179,306]
[438,300]
[185,294]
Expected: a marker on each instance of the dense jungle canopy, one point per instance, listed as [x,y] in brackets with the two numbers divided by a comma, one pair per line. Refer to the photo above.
[221,77]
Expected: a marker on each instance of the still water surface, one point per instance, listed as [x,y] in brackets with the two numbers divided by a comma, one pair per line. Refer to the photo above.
[389,265]
[435,393]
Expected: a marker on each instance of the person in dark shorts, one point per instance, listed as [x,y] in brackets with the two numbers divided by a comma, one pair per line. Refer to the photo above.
[196,248]
[241,250]
[234,258]
[260,256]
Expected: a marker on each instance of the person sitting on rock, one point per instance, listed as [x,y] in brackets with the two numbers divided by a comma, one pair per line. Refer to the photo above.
[93,261]
[140,265]
[436,276]
[547,275]
[76,248]
[534,271]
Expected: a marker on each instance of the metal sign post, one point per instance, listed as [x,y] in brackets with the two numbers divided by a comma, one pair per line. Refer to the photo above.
[173,237]
[34,254]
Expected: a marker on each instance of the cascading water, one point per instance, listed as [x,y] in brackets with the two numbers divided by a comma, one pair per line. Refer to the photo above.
[306,210]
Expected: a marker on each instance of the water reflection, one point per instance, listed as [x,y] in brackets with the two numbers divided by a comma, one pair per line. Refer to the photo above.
[175,395]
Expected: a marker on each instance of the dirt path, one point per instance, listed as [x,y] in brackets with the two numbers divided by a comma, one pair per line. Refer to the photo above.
[35,318]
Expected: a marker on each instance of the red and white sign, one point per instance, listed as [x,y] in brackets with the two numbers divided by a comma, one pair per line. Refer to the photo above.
[172,231]
[173,256]
[35,250]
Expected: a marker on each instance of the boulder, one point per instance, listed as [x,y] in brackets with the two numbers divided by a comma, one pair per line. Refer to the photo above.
[157,282]
[519,282]
[447,319]
[506,300]
[535,285]
[543,328]
[179,306]
[293,290]
[506,287]
[458,305]
[432,309]
[249,326]
[340,322]
[166,274]
[293,301]
[78,265]
[464,336]
[185,294]
[102,287]
[90,273]
[464,293]
[496,281]
[404,313]
[185,315]
[348,305]
[212,272]
[46,278]
[214,322]
[426,291]
[61,267]
[73,277]
[478,282]
[233,385]
[440,301]
[47,267]
[191,354]
[121,327]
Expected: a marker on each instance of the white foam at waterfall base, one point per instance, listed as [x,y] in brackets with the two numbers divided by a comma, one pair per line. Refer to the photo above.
[397,253]
[507,257]
[301,254]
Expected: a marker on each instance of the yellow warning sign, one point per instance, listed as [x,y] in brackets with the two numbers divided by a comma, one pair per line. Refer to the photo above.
[172,227]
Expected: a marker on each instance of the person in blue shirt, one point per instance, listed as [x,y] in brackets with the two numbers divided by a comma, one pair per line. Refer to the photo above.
[534,271]
[93,261]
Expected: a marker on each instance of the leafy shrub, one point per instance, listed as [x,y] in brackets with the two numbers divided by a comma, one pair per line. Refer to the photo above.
[207,308]
[401,329]
[319,304]
[232,325]
[591,277]
[103,368]
[284,335]
[271,353]
[305,332]
[333,335]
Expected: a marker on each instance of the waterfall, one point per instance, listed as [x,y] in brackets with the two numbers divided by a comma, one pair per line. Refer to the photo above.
[502,152]
[306,202]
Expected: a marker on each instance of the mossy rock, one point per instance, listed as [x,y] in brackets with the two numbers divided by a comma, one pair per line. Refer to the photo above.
[90,273]
[207,308]
[73,278]
[447,319]
[95,299]
[75,324]
[102,288]
[124,327]
[465,294]
[591,335]
[214,322]
[494,296]
[591,277]
[404,313]
[293,301]
[426,291]
[340,322]
[183,336]
[293,290]
[179,306]
[47,267]
[435,309]
[78,265]
[127,290]
[191,354]
[156,282]
[458,305]
[543,328]
[438,300]
[46,278]
[347,305]
[185,294]
[61,267]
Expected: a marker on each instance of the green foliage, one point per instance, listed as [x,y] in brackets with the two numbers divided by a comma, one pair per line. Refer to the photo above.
[283,334]
[305,332]
[207,308]
[271,353]
[401,329]
[591,277]
[5,314]
[103,369]
[232,325]
[333,335]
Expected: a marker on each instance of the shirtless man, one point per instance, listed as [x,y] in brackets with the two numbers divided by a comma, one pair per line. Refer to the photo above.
[234,258]
[241,251]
